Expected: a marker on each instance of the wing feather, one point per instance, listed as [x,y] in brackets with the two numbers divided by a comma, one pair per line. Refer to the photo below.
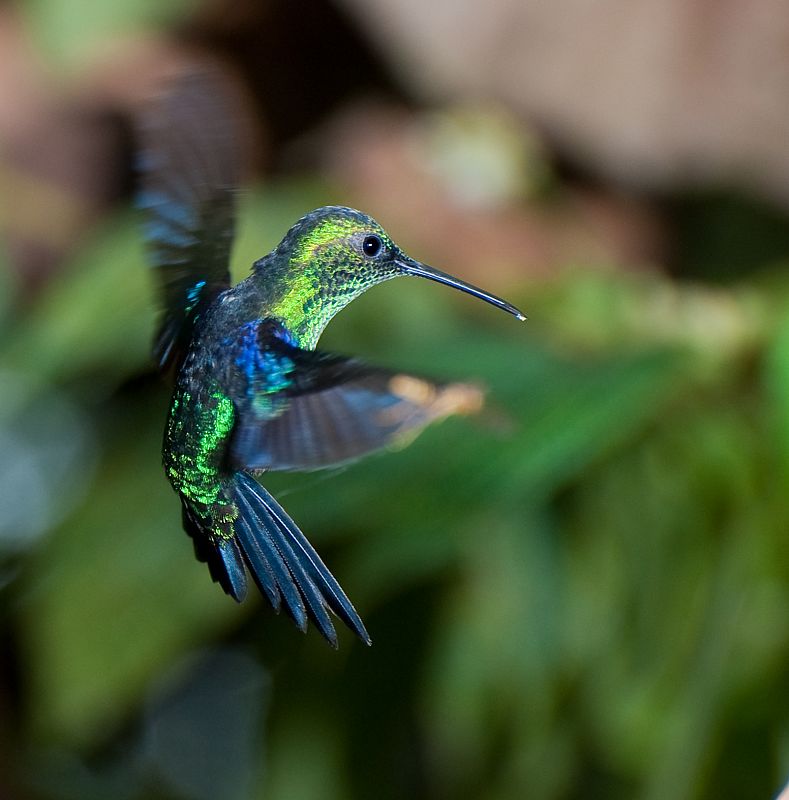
[331,409]
[191,153]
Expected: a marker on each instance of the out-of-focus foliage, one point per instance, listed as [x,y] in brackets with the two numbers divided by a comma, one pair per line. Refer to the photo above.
[584,591]
[71,32]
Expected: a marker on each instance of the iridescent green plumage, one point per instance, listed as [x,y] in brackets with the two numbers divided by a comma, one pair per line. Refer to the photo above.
[251,393]
[317,273]
[197,433]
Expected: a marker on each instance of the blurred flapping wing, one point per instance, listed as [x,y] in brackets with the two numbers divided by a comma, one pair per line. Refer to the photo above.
[189,163]
[307,409]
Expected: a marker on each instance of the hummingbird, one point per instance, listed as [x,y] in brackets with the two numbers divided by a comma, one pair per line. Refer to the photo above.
[251,391]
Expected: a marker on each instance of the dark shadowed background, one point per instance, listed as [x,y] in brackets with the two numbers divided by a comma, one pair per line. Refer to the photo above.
[582,592]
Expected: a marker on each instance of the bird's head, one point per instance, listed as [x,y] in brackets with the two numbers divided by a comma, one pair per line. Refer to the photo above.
[332,255]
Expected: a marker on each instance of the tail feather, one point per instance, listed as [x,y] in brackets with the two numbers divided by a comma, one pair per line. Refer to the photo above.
[266,563]
[252,506]
[267,527]
[261,570]
[233,562]
[225,562]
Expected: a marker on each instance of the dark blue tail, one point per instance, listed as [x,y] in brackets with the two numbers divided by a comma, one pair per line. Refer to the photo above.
[282,562]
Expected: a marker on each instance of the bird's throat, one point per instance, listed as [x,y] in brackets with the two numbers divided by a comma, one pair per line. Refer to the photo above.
[305,307]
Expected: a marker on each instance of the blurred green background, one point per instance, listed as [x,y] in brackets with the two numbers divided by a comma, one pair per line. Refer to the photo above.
[582,592]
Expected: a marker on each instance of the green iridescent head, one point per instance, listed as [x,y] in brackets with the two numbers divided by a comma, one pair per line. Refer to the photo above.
[332,255]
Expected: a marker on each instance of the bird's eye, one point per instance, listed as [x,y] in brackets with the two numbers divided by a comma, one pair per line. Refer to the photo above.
[371,246]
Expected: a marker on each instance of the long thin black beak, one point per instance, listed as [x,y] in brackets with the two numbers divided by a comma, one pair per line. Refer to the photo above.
[411,267]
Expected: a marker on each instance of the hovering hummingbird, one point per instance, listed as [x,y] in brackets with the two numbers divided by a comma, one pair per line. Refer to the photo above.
[251,392]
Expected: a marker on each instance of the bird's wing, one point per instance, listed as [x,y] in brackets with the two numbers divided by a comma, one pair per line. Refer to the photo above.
[189,164]
[305,409]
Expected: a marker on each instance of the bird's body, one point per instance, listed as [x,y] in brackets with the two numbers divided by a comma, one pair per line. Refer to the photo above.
[251,392]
